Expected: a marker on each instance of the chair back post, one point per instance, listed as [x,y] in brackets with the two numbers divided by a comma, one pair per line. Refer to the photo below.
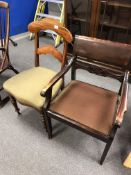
[4,31]
[73,70]
[8,27]
[64,54]
[37,62]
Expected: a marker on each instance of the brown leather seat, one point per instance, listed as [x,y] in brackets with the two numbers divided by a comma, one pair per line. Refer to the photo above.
[87,105]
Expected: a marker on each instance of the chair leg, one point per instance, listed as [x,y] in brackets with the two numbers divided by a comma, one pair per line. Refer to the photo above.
[14,102]
[73,73]
[63,84]
[49,125]
[44,122]
[107,147]
[13,69]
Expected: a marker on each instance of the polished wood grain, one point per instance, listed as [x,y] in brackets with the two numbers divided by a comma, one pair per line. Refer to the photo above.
[94,18]
[51,24]
[49,49]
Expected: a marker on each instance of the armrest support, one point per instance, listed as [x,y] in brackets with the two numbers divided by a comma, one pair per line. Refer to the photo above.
[58,76]
[122,106]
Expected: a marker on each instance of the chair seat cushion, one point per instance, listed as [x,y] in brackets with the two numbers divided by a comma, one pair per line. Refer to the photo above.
[27,85]
[88,105]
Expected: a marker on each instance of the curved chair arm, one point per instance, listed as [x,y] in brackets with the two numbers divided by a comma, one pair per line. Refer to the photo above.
[58,76]
[122,107]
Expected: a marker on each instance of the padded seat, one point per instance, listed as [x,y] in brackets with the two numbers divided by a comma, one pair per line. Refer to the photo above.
[26,86]
[87,105]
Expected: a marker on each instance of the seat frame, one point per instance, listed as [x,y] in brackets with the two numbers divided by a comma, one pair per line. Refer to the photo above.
[83,60]
[4,48]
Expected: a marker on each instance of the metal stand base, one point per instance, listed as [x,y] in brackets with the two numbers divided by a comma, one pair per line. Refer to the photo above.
[13,42]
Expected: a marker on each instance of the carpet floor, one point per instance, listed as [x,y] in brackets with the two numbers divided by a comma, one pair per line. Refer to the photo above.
[24,145]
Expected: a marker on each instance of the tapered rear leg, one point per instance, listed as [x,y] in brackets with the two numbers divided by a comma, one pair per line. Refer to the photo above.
[14,102]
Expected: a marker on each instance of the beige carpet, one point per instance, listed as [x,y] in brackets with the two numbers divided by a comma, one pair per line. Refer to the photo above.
[26,150]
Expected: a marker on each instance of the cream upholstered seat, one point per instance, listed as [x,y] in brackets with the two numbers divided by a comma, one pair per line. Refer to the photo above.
[26,86]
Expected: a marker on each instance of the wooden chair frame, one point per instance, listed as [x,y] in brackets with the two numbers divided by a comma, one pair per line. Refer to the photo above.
[4,44]
[36,27]
[116,64]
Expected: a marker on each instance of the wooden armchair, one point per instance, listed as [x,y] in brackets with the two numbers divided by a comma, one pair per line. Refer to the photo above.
[26,86]
[4,42]
[88,108]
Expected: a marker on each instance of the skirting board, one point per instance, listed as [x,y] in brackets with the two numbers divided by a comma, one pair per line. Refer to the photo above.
[20,36]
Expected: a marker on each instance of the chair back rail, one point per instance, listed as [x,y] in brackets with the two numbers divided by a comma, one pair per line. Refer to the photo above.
[116,57]
[51,24]
[50,49]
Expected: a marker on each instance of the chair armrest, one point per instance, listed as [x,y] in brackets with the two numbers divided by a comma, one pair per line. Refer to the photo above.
[58,76]
[122,106]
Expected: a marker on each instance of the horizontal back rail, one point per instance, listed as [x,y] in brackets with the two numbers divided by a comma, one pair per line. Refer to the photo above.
[102,51]
[51,24]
